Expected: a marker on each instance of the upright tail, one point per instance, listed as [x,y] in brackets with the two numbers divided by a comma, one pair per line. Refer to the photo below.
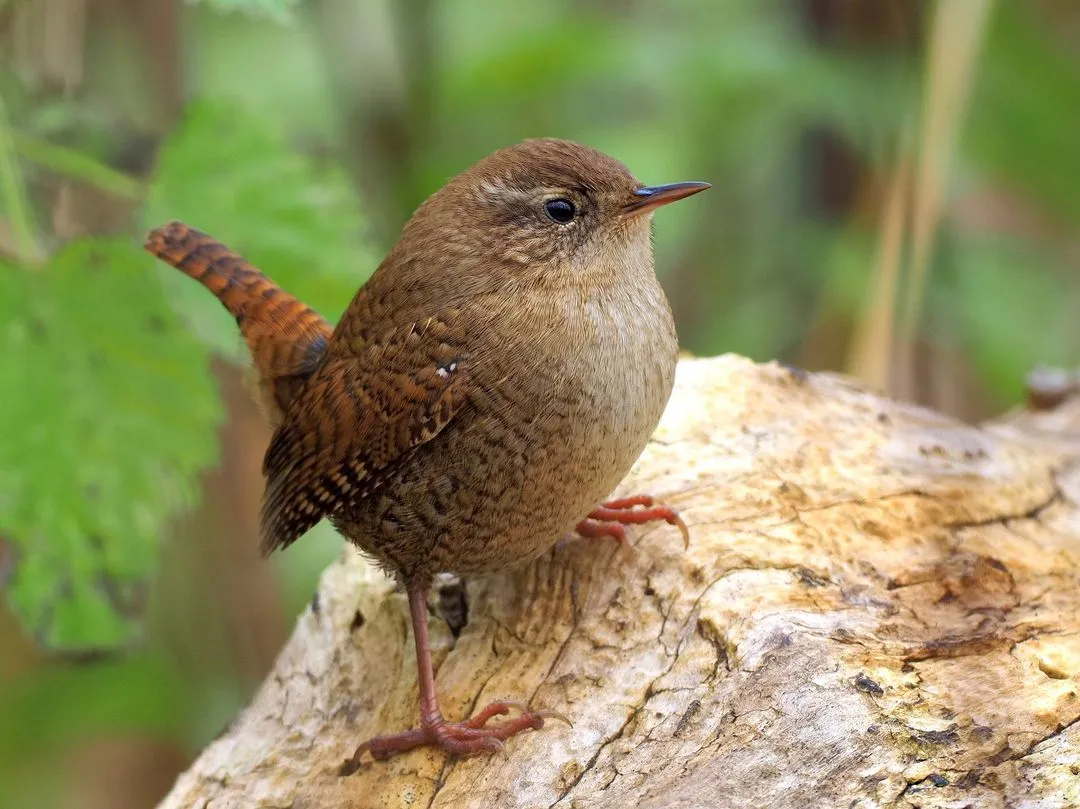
[286,337]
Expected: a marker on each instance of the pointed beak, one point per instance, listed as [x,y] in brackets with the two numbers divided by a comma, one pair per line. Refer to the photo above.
[652,197]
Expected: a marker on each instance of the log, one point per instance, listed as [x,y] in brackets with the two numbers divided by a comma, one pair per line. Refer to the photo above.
[879,607]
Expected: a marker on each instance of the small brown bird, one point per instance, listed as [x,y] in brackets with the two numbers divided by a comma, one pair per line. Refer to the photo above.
[496,377]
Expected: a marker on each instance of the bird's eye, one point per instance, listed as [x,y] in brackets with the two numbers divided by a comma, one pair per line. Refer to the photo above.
[560,210]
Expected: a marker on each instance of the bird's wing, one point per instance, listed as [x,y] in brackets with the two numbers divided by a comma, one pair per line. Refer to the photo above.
[361,412]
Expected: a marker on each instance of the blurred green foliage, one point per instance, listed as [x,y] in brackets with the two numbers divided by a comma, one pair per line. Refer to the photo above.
[101,449]
[296,110]
[106,444]
[297,221]
[277,10]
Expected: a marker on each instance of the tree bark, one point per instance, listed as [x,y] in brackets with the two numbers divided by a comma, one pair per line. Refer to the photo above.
[879,607]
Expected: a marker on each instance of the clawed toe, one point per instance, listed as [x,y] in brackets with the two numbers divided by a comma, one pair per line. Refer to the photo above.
[608,519]
[455,741]
[468,738]
[595,529]
[555,715]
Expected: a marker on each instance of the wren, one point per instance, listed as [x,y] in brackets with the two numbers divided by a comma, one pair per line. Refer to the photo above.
[491,383]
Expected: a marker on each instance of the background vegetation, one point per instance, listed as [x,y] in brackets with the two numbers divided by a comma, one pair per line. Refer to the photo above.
[895,194]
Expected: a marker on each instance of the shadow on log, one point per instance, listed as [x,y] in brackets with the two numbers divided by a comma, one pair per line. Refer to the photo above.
[880,607]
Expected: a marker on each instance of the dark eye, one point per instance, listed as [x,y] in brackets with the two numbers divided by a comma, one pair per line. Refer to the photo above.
[560,210]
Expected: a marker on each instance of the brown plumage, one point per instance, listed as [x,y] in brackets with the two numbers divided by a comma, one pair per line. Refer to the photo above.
[494,380]
[286,337]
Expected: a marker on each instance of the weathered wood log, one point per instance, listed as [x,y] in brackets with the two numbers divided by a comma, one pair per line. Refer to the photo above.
[879,607]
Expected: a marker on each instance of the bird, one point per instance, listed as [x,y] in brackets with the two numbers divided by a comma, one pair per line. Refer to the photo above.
[489,385]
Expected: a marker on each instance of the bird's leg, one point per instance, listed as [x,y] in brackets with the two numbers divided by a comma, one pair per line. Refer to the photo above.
[467,738]
[611,518]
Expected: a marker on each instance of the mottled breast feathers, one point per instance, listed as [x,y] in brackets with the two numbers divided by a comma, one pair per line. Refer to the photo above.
[372,401]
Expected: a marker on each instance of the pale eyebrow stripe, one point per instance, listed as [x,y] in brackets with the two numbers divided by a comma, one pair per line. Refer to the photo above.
[491,190]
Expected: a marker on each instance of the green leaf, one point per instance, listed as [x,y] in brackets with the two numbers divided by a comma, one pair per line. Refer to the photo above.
[107,411]
[235,177]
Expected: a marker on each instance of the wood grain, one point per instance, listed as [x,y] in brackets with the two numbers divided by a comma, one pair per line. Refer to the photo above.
[879,608]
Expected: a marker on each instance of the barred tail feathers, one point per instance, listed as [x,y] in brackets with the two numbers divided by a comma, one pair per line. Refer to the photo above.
[286,337]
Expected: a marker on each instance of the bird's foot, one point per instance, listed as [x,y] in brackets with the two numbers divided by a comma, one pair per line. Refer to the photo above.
[611,518]
[468,738]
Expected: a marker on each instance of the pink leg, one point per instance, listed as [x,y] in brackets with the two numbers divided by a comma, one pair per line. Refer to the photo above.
[470,737]
[608,519]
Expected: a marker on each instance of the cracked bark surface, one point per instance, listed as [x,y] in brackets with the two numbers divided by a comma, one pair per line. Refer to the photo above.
[880,607]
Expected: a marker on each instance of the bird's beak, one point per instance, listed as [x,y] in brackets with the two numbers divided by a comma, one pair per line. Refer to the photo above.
[651,197]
